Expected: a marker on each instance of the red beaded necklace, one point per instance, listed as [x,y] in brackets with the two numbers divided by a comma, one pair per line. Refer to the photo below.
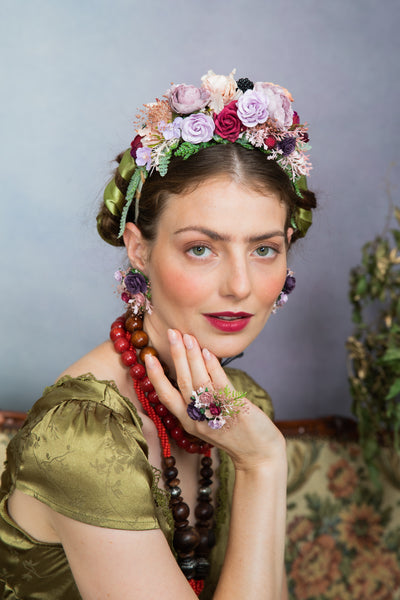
[192,544]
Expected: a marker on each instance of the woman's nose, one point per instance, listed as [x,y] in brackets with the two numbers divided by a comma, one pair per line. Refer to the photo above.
[235,280]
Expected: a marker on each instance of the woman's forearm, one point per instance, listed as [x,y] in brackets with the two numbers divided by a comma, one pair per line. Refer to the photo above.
[253,566]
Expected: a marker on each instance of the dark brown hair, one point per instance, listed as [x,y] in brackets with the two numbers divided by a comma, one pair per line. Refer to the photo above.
[249,167]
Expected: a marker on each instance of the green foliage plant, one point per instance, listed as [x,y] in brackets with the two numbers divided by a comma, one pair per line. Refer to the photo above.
[374,348]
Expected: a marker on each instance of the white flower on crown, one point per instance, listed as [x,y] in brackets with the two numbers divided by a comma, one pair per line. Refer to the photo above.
[222,88]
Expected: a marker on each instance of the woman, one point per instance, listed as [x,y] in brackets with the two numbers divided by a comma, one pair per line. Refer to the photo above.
[206,201]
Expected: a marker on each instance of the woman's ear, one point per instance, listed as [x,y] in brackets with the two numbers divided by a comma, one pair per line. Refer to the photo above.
[289,234]
[136,246]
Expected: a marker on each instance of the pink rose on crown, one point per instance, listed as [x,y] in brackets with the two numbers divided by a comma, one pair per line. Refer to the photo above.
[279,103]
[223,89]
[185,99]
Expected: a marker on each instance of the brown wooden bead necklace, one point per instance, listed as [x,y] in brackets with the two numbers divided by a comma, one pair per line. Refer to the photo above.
[192,544]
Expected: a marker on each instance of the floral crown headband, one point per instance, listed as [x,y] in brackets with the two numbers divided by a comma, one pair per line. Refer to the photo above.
[221,111]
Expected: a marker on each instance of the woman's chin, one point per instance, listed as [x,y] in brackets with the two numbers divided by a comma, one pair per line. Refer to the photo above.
[227,347]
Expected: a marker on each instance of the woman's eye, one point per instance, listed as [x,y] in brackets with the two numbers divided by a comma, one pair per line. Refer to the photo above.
[199,251]
[265,251]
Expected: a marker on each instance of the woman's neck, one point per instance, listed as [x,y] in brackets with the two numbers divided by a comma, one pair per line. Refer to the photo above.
[158,338]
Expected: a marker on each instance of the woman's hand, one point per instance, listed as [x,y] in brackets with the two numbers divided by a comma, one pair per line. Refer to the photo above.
[251,441]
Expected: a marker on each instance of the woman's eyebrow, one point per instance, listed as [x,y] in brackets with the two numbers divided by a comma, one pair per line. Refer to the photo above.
[226,238]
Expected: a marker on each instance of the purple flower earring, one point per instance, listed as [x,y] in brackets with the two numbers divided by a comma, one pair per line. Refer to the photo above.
[288,287]
[135,290]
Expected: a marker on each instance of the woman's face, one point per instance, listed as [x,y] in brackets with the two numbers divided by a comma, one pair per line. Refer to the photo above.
[217,265]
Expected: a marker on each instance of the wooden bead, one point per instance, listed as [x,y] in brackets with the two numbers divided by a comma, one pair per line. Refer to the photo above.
[133,323]
[139,339]
[186,540]
[206,461]
[170,473]
[169,461]
[180,511]
[204,511]
[174,482]
[149,350]
[207,541]
[206,472]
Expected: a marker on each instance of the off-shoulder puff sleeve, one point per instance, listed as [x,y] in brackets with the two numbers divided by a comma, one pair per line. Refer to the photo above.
[87,459]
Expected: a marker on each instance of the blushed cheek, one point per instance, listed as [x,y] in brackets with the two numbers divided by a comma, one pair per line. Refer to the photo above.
[182,289]
[273,288]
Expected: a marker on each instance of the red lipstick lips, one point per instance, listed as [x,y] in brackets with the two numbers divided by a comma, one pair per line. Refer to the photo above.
[230,322]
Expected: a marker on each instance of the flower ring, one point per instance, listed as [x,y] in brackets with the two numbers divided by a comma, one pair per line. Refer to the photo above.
[215,407]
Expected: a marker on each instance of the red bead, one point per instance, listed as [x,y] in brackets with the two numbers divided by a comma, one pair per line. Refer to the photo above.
[177,433]
[183,443]
[121,344]
[117,324]
[128,357]
[137,371]
[193,448]
[146,385]
[169,422]
[117,332]
[153,398]
[161,410]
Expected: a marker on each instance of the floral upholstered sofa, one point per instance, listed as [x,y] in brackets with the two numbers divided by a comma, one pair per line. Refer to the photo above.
[343,534]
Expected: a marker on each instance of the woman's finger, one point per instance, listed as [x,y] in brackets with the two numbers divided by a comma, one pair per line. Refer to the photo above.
[215,371]
[200,376]
[169,396]
[182,369]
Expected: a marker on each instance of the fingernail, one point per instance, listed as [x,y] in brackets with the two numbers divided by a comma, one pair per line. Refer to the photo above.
[172,336]
[187,340]
[150,361]
[206,354]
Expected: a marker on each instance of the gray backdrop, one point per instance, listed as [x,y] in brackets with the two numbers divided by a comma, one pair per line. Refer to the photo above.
[73,74]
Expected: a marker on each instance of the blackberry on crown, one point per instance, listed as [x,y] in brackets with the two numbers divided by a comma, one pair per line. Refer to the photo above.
[245,84]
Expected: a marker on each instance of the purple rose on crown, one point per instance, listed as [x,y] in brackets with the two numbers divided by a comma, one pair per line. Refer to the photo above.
[287,145]
[135,283]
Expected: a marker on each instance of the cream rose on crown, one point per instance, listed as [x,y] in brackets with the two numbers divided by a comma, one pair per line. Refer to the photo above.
[223,89]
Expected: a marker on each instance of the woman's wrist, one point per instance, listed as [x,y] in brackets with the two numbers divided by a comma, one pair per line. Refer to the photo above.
[274,459]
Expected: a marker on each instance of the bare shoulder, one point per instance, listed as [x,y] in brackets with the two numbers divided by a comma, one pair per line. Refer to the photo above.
[102,362]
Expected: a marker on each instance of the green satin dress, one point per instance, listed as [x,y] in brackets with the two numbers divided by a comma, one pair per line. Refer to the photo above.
[81,451]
